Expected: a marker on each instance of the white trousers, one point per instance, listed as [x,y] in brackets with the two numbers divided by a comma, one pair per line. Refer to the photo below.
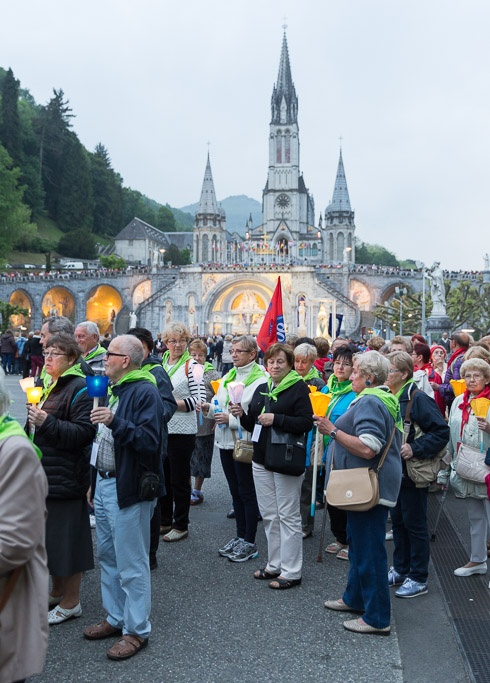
[479,516]
[278,496]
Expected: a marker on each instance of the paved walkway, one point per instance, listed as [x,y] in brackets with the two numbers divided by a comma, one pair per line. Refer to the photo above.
[213,623]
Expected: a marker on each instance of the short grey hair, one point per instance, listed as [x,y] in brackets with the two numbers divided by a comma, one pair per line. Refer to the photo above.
[476,365]
[373,363]
[59,323]
[248,342]
[90,327]
[133,348]
[4,394]
[306,351]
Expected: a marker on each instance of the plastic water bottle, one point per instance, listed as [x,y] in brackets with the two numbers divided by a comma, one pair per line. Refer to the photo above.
[218,409]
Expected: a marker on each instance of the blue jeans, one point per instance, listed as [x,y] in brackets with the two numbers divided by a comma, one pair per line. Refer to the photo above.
[242,488]
[123,544]
[367,584]
[411,534]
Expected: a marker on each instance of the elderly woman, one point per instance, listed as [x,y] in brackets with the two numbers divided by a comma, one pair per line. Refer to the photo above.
[421,362]
[23,491]
[438,357]
[339,386]
[203,450]
[182,430]
[369,429]
[304,359]
[283,403]
[466,428]
[64,433]
[427,435]
[225,413]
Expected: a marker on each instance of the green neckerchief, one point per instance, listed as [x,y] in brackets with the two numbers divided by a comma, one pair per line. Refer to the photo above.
[95,352]
[291,378]
[337,389]
[131,376]
[312,374]
[255,373]
[389,400]
[172,370]
[74,370]
[399,393]
[208,366]
[10,427]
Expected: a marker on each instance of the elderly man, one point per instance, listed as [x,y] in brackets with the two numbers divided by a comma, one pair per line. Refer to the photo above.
[128,479]
[88,338]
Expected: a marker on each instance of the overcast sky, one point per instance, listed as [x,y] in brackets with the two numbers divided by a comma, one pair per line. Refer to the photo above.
[405,84]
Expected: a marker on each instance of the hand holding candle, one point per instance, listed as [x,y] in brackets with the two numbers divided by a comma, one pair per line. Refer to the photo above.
[97,387]
[235,392]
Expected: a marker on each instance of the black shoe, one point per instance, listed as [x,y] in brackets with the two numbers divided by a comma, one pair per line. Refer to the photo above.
[231,514]
[153,563]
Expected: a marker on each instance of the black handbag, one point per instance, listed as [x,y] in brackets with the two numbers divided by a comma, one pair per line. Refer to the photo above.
[286,453]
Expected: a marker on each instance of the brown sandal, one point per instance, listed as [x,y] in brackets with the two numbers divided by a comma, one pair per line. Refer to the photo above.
[127,646]
[264,575]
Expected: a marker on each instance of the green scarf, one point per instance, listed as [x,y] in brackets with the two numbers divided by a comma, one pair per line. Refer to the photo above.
[172,370]
[95,352]
[74,370]
[291,378]
[208,367]
[131,376]
[399,393]
[337,389]
[255,373]
[389,400]
[312,374]
[10,427]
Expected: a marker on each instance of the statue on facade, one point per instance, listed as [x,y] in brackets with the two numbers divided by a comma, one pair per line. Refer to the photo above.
[133,320]
[437,289]
[322,322]
[302,314]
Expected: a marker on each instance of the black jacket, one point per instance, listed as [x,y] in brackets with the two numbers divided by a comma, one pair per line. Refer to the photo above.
[65,438]
[164,386]
[424,413]
[292,413]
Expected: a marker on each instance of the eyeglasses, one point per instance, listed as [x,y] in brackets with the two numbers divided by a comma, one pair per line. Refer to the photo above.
[239,351]
[177,342]
[108,354]
[393,370]
[473,377]
[342,364]
[52,354]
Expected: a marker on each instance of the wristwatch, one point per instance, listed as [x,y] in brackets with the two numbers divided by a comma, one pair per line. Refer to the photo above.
[333,434]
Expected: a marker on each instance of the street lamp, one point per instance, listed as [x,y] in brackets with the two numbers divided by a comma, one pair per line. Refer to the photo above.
[162,251]
[421,265]
[400,291]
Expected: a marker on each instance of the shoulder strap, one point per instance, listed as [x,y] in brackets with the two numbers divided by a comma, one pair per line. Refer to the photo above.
[407,422]
[385,452]
[187,367]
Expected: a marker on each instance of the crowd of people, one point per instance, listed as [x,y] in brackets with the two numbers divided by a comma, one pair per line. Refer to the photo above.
[139,459]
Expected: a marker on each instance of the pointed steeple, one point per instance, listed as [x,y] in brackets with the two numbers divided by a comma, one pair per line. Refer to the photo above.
[208,203]
[284,102]
[340,200]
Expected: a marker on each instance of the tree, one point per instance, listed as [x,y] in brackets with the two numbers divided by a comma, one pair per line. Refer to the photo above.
[10,130]
[112,261]
[179,257]
[165,219]
[15,216]
[78,244]
[374,254]
[135,205]
[107,194]
[468,304]
[75,202]
[7,310]
[388,314]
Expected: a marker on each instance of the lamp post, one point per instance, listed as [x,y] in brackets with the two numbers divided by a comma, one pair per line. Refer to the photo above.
[162,251]
[400,291]
[421,265]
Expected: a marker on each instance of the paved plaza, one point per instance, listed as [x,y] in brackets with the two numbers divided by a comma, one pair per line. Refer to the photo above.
[213,623]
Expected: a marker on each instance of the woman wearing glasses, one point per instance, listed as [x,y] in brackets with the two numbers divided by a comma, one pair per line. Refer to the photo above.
[64,433]
[339,387]
[238,474]
[466,428]
[182,430]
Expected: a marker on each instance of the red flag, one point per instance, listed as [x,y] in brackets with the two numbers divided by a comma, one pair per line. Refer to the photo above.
[272,329]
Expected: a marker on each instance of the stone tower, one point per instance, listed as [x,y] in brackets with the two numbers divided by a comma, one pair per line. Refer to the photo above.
[209,224]
[339,227]
[287,207]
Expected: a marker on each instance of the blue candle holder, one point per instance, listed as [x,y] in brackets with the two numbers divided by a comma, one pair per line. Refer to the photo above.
[97,385]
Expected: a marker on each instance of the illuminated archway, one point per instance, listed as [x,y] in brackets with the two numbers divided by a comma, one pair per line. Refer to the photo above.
[23,300]
[58,301]
[103,305]
[141,292]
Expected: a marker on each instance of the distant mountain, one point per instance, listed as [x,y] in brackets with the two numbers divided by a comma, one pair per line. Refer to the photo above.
[238,209]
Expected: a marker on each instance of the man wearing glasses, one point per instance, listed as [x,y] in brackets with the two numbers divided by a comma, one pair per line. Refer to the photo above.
[128,479]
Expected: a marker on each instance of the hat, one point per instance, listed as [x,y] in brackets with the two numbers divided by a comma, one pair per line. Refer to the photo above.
[437,346]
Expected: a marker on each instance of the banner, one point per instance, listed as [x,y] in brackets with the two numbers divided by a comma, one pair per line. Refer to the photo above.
[272,329]
[339,317]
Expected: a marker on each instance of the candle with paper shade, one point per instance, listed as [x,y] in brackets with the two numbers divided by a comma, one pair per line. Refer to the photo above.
[215,384]
[480,407]
[27,382]
[198,373]
[235,392]
[312,388]
[34,395]
[458,385]
[97,387]
[319,404]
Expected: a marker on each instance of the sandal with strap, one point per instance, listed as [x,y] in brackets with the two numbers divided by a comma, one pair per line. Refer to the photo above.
[263,574]
[127,646]
[334,548]
[343,554]
[283,584]
[59,614]
[196,497]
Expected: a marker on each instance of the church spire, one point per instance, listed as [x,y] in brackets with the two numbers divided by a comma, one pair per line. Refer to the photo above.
[208,203]
[340,200]
[284,102]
